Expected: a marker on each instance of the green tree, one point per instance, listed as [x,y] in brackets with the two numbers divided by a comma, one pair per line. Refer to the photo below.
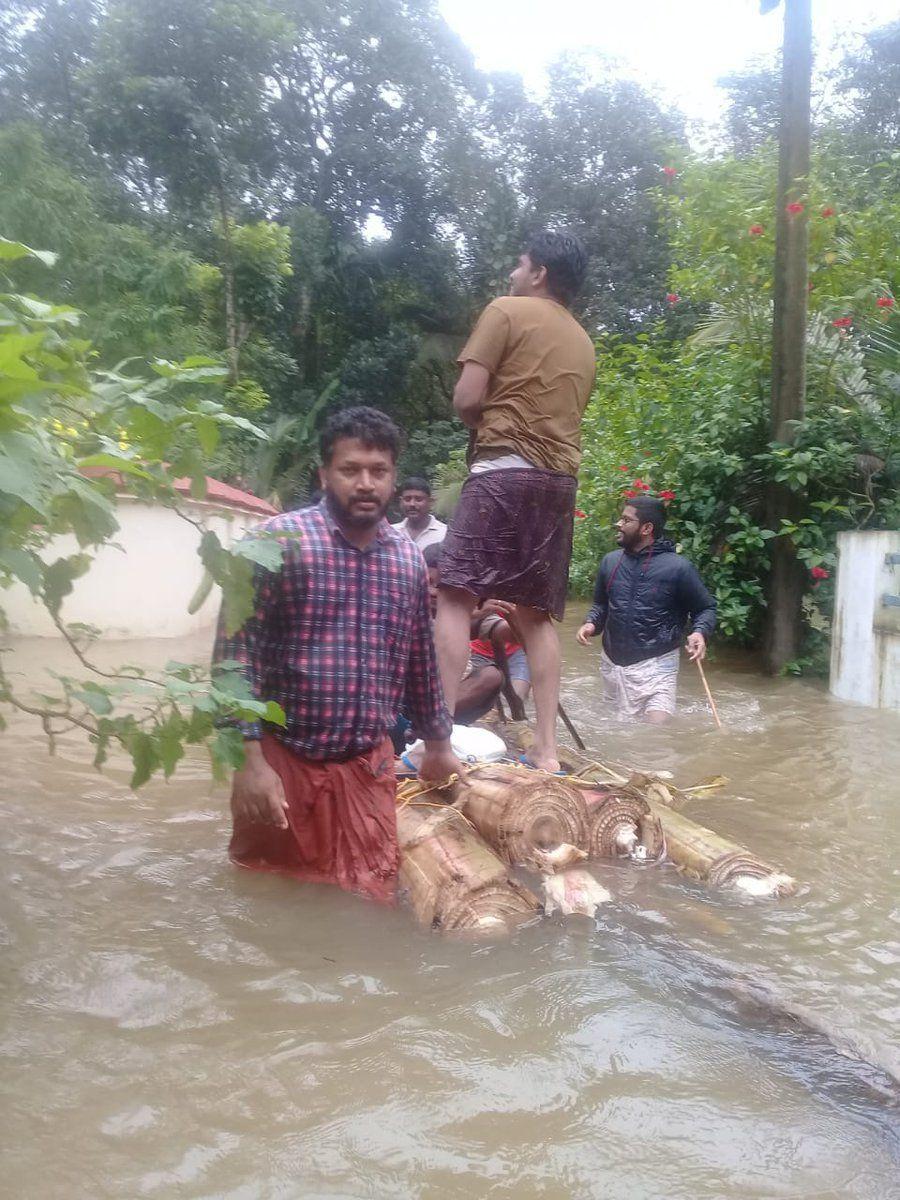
[136,287]
[594,156]
[177,100]
[868,80]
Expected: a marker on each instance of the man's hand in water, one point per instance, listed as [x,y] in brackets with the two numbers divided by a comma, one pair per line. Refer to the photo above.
[439,763]
[585,633]
[257,793]
[696,647]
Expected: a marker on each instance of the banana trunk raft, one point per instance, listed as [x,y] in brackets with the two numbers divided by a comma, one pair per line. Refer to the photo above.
[456,857]
[453,880]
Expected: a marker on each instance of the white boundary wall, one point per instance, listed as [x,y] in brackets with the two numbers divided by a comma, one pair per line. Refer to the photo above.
[865,639]
[141,590]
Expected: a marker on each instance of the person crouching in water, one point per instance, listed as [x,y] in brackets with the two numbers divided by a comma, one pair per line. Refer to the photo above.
[644,595]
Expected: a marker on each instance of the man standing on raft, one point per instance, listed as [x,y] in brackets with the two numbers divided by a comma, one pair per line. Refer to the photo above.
[527,374]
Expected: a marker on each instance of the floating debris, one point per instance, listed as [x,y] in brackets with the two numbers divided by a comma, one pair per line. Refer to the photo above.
[575,891]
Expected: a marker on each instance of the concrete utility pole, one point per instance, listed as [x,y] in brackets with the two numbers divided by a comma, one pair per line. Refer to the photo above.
[781,640]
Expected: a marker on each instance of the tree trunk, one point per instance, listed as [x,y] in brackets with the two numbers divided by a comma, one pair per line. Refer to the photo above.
[232,338]
[786,584]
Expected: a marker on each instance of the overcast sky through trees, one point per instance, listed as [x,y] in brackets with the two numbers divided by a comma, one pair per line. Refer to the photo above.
[680,47]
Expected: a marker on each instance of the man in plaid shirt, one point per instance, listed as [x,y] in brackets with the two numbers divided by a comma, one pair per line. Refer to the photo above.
[340,636]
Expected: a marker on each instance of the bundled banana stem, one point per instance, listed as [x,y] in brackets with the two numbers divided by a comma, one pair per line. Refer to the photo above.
[453,880]
[701,854]
[622,824]
[522,814]
[697,852]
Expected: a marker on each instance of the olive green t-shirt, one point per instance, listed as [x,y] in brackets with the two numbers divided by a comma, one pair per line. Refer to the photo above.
[542,369]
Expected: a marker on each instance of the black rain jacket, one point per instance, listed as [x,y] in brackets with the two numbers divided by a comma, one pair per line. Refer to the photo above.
[643,601]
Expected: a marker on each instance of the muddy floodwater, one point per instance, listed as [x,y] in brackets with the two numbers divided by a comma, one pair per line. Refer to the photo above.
[173,1027]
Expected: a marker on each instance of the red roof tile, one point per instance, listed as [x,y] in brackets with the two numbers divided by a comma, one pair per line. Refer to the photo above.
[215,491]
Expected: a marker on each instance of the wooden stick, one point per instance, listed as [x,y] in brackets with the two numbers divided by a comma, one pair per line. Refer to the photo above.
[571,728]
[712,703]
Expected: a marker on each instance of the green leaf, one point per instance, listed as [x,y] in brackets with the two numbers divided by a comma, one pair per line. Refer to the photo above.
[101,741]
[207,433]
[96,698]
[12,349]
[211,372]
[10,251]
[275,714]
[227,752]
[169,743]
[116,462]
[264,551]
[24,566]
[59,577]
[144,754]
[23,471]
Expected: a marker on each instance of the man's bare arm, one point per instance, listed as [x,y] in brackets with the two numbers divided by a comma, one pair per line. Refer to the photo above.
[469,393]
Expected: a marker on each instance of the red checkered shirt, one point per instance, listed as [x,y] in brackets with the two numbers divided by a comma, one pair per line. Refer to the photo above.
[340,637]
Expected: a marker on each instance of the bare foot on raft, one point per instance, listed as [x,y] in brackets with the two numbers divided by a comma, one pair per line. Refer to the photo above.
[541,762]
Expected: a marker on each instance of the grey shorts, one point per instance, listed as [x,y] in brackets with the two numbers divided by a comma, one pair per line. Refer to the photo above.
[517,663]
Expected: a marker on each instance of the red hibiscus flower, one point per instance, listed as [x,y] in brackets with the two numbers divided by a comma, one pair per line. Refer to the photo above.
[756,230]
[667,495]
[842,322]
[793,210]
[639,483]
[631,493]
[670,172]
[672,297]
[623,467]
[579,514]
[885,301]
[827,212]
[819,573]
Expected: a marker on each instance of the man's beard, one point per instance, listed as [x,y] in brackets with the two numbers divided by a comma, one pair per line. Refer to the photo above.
[353,517]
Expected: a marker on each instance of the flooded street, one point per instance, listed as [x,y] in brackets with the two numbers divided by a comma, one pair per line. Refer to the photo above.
[173,1027]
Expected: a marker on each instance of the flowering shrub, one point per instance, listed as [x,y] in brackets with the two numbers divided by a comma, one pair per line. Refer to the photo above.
[688,419]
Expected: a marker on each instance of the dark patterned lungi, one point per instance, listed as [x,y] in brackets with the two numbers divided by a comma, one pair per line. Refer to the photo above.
[511,538]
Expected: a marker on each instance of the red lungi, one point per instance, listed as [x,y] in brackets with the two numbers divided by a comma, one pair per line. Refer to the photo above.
[342,822]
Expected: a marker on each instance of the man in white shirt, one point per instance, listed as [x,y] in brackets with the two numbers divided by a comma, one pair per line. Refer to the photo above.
[418,524]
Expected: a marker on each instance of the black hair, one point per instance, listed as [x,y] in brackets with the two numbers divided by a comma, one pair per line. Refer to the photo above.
[415,483]
[648,508]
[432,554]
[566,261]
[373,428]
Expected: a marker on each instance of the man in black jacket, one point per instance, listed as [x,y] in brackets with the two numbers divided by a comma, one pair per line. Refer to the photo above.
[644,595]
